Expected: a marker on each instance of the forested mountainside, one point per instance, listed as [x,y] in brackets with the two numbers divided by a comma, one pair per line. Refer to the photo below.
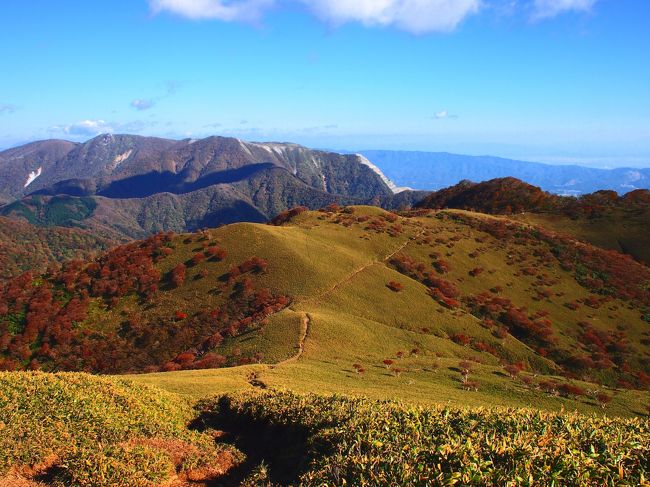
[25,247]
[134,186]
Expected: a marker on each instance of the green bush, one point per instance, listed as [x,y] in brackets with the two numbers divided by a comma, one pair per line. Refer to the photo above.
[116,465]
[363,442]
[93,430]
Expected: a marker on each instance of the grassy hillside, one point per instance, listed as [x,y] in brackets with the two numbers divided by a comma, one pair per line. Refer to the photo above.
[603,218]
[417,323]
[431,307]
[624,230]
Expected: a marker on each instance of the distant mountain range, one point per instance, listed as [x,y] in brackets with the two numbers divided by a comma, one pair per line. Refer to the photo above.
[437,170]
[126,185]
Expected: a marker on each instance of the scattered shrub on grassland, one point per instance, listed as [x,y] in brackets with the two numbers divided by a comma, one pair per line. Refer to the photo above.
[287,215]
[94,431]
[604,272]
[364,442]
[395,286]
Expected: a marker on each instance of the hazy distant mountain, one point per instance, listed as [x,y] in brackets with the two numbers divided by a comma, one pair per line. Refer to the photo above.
[20,166]
[437,170]
[133,185]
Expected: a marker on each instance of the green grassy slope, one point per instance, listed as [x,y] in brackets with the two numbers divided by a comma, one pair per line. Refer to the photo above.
[307,304]
[619,229]
[337,276]
[603,218]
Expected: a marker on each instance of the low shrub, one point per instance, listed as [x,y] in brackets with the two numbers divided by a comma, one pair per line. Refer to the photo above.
[362,442]
[86,430]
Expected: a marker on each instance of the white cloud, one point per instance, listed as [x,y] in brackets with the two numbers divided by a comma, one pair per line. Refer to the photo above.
[86,127]
[242,10]
[141,104]
[443,114]
[544,9]
[91,128]
[416,16]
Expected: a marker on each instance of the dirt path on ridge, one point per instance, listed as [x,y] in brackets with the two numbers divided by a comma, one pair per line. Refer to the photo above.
[307,320]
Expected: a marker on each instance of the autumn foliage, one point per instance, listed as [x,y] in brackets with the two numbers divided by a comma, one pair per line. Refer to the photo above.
[395,286]
[41,318]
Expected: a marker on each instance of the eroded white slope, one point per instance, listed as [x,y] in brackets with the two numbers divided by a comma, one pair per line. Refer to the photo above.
[395,189]
[32,176]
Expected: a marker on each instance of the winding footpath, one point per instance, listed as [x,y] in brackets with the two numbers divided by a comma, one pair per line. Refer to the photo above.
[304,331]
[307,320]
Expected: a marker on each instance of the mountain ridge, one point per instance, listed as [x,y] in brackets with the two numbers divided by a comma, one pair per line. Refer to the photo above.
[266,288]
[108,158]
[123,181]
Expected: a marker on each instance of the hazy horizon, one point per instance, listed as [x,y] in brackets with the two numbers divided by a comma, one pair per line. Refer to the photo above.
[601,161]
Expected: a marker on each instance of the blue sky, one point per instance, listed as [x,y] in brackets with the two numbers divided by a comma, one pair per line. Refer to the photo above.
[549,80]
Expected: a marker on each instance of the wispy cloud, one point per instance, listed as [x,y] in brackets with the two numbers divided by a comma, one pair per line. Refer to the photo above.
[7,108]
[141,105]
[173,86]
[318,129]
[84,128]
[443,114]
[545,9]
[91,128]
[416,16]
[241,11]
